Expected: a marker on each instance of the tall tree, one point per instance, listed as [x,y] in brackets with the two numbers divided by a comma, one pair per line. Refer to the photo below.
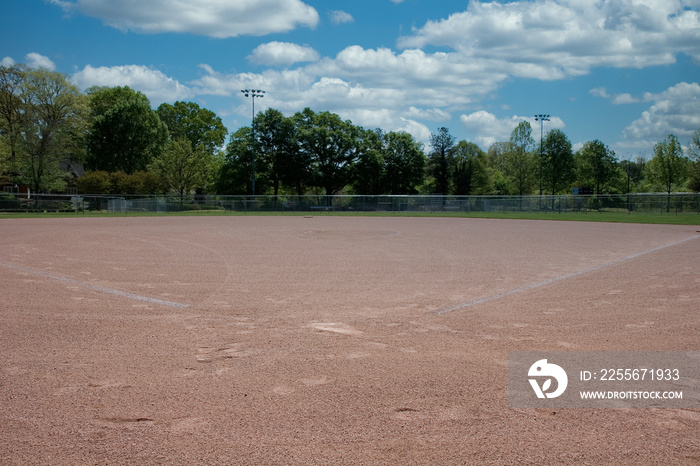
[438,159]
[236,173]
[596,164]
[206,135]
[668,167]
[558,163]
[391,163]
[368,175]
[498,158]
[202,127]
[11,113]
[278,149]
[125,133]
[497,154]
[332,146]
[694,152]
[468,169]
[404,163]
[53,113]
[520,161]
[633,174]
[183,167]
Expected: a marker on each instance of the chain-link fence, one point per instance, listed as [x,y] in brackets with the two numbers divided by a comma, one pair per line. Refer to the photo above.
[659,203]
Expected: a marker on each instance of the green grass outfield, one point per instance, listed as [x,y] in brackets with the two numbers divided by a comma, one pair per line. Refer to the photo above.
[672,218]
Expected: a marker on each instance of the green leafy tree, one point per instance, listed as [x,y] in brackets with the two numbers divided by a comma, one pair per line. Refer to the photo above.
[469,169]
[669,167]
[520,161]
[332,146]
[694,151]
[236,174]
[53,112]
[125,133]
[11,114]
[438,160]
[497,153]
[182,167]
[278,150]
[498,159]
[202,127]
[558,161]
[369,167]
[4,162]
[204,131]
[597,165]
[404,163]
[392,163]
[631,174]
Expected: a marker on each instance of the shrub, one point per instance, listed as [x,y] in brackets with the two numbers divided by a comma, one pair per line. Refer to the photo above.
[97,182]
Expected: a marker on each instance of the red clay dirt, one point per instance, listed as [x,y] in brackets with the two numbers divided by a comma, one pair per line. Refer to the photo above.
[290,340]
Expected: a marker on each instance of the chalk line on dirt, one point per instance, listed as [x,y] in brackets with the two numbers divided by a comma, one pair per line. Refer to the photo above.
[89,286]
[549,281]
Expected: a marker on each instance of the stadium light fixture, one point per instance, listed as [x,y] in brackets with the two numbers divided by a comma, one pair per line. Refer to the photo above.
[253,93]
[541,119]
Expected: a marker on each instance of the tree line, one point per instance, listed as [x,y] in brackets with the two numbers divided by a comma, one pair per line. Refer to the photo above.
[127,147]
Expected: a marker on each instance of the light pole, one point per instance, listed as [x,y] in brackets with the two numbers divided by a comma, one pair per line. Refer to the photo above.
[253,93]
[541,119]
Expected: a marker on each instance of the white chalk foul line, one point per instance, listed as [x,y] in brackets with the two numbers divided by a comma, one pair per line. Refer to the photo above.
[549,281]
[101,289]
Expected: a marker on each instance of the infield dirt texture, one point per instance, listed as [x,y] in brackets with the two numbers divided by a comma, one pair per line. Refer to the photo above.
[330,340]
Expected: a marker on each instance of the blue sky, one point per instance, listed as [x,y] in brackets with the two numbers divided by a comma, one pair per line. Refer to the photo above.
[626,72]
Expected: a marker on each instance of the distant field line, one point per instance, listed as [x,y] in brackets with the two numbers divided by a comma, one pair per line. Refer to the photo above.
[89,286]
[549,281]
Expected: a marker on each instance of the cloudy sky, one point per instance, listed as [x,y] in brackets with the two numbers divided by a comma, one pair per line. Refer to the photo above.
[626,72]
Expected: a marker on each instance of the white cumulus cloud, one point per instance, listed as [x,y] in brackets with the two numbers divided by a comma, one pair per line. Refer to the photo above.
[488,128]
[449,64]
[674,111]
[340,17]
[155,84]
[425,79]
[291,90]
[282,53]
[599,92]
[617,99]
[554,39]
[32,60]
[36,61]
[214,18]
[624,98]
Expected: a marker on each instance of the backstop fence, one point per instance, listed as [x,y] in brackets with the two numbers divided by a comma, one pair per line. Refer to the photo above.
[659,203]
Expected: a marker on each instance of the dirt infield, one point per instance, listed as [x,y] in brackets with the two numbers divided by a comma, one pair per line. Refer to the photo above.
[330,340]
